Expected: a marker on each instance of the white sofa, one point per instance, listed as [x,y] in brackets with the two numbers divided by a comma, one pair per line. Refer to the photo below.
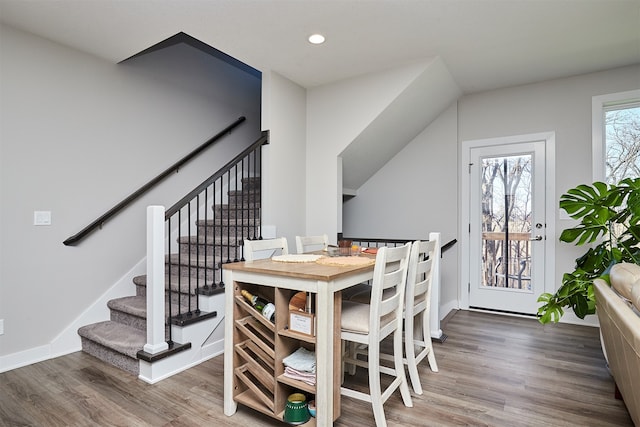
[618,309]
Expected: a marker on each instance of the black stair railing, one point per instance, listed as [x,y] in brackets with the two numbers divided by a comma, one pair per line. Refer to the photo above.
[376,243]
[224,210]
[100,221]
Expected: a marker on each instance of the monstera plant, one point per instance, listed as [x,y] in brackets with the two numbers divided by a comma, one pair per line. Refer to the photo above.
[609,218]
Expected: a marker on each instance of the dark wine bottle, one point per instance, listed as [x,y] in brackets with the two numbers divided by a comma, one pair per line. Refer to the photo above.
[267,309]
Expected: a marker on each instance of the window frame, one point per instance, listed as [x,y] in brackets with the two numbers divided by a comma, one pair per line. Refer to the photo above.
[599,105]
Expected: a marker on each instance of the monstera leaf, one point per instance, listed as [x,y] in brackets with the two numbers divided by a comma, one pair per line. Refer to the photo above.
[585,200]
[592,227]
[609,215]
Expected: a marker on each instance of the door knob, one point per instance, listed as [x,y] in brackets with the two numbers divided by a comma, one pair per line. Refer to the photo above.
[537,238]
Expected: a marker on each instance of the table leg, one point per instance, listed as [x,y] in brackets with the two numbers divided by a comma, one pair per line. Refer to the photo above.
[230,405]
[324,356]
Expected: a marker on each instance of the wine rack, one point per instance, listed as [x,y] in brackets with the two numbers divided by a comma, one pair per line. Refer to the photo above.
[259,348]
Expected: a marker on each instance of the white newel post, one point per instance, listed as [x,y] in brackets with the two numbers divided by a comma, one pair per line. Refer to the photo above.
[155,281]
[434,321]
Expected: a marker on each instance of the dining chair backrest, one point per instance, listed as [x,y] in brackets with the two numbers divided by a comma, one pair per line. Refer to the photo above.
[388,287]
[311,243]
[423,262]
[257,249]
[420,271]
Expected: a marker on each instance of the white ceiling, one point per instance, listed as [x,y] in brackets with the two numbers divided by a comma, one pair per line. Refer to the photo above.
[485,44]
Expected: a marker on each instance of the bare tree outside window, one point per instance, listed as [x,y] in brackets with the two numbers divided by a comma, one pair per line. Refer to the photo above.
[622,136]
[506,221]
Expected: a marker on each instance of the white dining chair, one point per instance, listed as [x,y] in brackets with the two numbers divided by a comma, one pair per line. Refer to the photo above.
[417,312]
[265,248]
[369,324]
[311,243]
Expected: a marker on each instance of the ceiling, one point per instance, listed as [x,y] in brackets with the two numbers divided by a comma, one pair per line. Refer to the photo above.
[485,44]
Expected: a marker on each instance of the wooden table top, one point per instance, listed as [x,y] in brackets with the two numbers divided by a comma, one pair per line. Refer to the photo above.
[300,270]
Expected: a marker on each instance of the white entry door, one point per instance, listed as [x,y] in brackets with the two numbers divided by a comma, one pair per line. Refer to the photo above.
[507,226]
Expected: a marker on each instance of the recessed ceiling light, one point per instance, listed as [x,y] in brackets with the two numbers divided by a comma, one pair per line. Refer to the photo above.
[316,39]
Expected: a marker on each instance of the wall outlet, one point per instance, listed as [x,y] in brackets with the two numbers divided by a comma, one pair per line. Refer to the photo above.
[1,326]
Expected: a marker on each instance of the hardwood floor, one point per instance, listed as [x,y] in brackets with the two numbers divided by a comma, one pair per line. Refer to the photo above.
[494,371]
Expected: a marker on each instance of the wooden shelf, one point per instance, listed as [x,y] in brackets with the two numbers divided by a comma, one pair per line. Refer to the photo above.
[297,335]
[259,363]
[248,398]
[256,332]
[263,395]
[310,423]
[259,348]
[240,301]
[297,384]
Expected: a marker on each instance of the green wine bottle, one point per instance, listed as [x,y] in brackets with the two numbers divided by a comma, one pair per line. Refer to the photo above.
[267,309]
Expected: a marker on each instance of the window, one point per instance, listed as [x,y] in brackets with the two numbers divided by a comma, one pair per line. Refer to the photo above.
[616,136]
[622,142]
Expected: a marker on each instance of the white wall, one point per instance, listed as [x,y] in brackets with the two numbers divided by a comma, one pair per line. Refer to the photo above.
[283,175]
[414,194]
[336,114]
[562,106]
[77,135]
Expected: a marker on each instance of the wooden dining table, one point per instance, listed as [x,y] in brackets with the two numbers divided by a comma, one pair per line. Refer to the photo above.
[327,283]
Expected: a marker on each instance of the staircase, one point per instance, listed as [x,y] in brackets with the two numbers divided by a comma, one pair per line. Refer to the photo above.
[196,312]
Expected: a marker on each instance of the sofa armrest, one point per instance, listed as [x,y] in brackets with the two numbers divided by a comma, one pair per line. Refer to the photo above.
[620,329]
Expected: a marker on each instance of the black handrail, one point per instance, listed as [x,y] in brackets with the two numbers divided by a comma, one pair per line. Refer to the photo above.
[99,222]
[396,242]
[264,139]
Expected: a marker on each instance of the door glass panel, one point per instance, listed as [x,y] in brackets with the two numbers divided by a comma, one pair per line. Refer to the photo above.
[506,200]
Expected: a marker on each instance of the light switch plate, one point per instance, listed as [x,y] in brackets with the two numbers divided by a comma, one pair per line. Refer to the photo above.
[41,217]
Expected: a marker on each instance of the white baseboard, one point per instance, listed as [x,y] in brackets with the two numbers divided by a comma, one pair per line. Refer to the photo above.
[24,358]
[68,341]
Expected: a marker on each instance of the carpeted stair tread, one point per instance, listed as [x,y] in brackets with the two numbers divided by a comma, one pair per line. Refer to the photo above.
[195,261]
[230,222]
[218,241]
[137,306]
[174,280]
[121,338]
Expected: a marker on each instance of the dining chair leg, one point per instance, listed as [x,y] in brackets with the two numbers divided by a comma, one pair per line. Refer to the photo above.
[399,368]
[375,390]
[428,344]
[353,353]
[411,329]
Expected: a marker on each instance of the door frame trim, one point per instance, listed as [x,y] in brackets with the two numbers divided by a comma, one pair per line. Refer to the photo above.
[549,139]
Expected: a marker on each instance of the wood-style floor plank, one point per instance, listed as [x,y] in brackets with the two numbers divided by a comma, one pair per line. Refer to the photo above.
[494,371]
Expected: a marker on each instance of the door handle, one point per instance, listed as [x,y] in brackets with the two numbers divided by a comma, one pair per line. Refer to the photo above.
[537,238]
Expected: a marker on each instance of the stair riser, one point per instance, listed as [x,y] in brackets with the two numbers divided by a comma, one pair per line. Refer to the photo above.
[242,231]
[244,197]
[195,273]
[226,212]
[253,183]
[134,321]
[110,356]
[221,252]
[176,298]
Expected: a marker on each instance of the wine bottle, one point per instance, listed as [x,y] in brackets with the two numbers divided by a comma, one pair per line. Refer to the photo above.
[267,309]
